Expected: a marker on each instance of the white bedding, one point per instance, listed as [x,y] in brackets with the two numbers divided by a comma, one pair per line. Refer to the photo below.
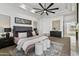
[23,43]
[33,41]
[17,39]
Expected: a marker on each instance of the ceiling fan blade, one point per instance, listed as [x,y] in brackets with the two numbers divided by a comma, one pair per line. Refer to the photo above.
[50,11]
[54,9]
[42,12]
[46,13]
[38,11]
[50,5]
[36,8]
[41,5]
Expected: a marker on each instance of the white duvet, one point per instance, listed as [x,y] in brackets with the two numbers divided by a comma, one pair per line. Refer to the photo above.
[23,43]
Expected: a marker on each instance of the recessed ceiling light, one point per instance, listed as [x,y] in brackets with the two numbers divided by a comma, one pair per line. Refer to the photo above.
[33,11]
[23,6]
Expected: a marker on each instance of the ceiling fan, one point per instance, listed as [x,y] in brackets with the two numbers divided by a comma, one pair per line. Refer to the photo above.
[45,9]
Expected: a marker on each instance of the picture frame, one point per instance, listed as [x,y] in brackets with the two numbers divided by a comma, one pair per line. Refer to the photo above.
[22,21]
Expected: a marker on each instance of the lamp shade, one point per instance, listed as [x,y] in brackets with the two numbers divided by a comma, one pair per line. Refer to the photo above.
[7,29]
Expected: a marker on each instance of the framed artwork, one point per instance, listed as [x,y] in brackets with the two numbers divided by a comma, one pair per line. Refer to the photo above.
[22,21]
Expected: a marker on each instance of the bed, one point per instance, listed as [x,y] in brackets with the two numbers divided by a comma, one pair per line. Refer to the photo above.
[25,40]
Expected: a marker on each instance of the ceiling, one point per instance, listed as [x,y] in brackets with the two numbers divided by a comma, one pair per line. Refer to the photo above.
[29,7]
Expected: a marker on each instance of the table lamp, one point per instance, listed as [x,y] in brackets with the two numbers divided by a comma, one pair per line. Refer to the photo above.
[7,30]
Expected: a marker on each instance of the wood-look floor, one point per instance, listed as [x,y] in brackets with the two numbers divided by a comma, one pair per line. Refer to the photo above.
[8,51]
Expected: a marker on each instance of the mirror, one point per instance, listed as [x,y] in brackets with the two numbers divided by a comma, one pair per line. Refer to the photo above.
[56,25]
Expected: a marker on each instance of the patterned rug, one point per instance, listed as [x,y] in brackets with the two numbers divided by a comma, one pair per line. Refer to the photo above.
[54,50]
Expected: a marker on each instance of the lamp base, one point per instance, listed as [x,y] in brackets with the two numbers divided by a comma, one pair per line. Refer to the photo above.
[7,35]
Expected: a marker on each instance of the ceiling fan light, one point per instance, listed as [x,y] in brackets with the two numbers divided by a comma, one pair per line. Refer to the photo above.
[33,11]
[45,11]
[23,6]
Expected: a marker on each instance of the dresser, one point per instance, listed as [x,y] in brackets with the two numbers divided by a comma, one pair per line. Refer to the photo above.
[56,34]
[6,42]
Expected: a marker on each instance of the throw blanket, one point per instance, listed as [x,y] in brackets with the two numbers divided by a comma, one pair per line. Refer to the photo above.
[25,42]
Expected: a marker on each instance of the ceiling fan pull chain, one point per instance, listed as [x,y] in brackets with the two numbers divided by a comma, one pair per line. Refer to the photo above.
[45,5]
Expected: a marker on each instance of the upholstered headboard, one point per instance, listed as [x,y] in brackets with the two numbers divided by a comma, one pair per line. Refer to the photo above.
[17,29]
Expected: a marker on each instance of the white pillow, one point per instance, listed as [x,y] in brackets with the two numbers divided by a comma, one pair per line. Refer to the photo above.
[22,35]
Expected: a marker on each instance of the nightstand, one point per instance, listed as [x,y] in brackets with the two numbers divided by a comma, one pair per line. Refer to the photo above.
[4,42]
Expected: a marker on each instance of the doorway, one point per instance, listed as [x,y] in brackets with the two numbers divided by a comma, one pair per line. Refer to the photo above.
[70,32]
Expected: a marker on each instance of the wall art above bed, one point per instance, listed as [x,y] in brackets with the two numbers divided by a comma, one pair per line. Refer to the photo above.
[22,21]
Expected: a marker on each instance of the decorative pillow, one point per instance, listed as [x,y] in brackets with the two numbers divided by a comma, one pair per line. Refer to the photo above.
[29,34]
[22,35]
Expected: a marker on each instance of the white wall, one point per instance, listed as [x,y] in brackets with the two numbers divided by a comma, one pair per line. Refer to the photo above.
[46,24]
[4,23]
[13,12]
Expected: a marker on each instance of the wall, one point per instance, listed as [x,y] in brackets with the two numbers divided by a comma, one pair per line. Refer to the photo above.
[13,12]
[3,22]
[46,22]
